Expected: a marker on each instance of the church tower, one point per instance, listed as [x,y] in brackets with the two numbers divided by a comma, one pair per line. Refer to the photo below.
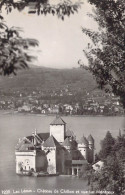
[58,129]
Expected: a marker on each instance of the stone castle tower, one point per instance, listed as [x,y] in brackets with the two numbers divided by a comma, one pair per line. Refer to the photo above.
[83,147]
[91,149]
[58,129]
[86,147]
[54,154]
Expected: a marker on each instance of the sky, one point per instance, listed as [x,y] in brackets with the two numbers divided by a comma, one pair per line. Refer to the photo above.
[61,43]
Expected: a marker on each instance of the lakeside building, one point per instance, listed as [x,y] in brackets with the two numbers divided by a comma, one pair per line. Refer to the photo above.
[56,152]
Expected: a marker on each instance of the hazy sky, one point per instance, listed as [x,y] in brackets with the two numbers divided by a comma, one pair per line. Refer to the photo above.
[61,42]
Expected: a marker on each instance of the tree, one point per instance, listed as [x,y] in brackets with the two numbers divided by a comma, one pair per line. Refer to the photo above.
[119,146]
[13,48]
[112,176]
[106,146]
[106,56]
[86,172]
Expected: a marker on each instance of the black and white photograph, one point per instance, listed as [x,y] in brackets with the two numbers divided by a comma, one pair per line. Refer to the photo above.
[62,97]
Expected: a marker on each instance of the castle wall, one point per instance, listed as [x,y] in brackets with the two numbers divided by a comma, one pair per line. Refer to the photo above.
[51,159]
[67,162]
[25,161]
[91,154]
[41,163]
[59,160]
[61,156]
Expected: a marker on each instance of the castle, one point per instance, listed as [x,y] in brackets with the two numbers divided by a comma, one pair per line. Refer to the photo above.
[54,152]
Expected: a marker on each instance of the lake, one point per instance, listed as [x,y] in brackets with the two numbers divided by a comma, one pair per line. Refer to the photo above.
[15,126]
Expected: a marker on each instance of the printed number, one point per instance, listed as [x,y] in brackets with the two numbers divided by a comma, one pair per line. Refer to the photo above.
[5,191]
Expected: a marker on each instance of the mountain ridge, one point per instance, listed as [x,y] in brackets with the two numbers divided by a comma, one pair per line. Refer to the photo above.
[48,79]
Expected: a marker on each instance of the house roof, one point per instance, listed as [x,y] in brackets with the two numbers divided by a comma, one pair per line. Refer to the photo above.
[43,136]
[26,142]
[98,165]
[51,142]
[90,138]
[39,137]
[58,121]
[79,162]
[24,145]
[83,140]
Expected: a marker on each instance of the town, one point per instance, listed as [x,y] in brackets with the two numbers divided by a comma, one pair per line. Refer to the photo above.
[64,102]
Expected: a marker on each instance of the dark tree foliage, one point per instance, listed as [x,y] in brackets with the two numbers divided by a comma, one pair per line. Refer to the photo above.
[42,7]
[86,172]
[13,48]
[112,176]
[106,146]
[119,146]
[106,56]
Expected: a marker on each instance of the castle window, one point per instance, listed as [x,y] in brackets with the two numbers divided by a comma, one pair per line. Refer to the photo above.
[49,159]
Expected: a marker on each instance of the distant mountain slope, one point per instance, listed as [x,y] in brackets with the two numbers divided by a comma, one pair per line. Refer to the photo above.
[48,79]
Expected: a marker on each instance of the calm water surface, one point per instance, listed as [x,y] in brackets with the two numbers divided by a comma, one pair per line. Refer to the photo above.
[12,127]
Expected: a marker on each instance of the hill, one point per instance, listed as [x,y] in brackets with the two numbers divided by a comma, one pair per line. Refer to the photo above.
[47,79]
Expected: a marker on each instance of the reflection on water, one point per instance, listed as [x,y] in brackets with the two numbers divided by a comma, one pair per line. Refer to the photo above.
[12,127]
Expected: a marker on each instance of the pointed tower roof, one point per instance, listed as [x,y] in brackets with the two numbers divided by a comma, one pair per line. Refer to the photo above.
[58,121]
[51,142]
[69,133]
[90,138]
[84,141]
[66,142]
[71,143]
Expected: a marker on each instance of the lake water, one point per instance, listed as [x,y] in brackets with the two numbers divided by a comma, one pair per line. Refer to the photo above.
[13,126]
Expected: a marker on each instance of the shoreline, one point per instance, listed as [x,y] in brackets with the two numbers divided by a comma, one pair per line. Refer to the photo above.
[12,112]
